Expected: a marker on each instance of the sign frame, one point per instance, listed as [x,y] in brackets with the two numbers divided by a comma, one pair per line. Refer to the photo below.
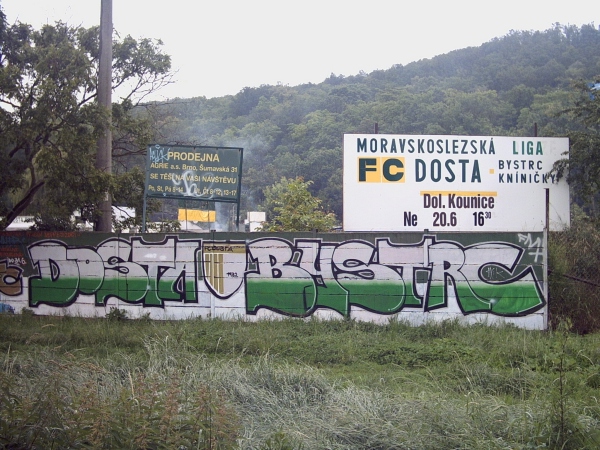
[200,173]
[452,183]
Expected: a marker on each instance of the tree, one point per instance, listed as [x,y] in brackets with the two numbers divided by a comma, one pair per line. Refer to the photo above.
[50,119]
[582,167]
[291,207]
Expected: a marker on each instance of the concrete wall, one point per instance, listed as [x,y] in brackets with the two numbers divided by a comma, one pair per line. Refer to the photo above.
[476,277]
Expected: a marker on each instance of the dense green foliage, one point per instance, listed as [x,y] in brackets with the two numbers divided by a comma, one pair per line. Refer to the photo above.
[291,207]
[292,384]
[582,167]
[50,120]
[507,86]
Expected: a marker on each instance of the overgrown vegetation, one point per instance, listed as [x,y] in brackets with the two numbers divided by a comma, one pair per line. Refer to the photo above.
[96,383]
[574,258]
[291,207]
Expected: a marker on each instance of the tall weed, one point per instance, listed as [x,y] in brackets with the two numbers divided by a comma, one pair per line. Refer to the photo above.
[574,279]
[81,383]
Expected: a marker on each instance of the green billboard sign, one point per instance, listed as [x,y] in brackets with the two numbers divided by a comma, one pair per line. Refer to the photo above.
[194,173]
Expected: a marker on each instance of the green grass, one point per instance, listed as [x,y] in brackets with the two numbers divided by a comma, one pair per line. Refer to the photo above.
[96,383]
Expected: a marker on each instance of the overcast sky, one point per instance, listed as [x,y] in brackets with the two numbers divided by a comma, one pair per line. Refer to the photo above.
[218,47]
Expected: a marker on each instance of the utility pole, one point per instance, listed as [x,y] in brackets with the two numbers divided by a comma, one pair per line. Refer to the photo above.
[104,155]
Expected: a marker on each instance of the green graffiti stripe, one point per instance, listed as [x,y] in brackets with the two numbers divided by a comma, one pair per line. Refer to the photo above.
[436,296]
[506,299]
[296,297]
[385,297]
[190,292]
[411,299]
[60,292]
[333,296]
[167,291]
[129,290]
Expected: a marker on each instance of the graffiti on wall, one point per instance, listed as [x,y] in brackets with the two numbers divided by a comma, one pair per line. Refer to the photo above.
[291,276]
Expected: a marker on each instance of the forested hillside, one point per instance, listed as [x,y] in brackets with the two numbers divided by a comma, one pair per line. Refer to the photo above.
[504,87]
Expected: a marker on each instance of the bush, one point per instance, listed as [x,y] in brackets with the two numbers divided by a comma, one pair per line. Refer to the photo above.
[574,258]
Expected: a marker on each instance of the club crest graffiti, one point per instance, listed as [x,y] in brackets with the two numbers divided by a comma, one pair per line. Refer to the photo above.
[289,276]
[223,263]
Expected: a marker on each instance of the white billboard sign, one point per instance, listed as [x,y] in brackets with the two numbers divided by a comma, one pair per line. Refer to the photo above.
[452,183]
